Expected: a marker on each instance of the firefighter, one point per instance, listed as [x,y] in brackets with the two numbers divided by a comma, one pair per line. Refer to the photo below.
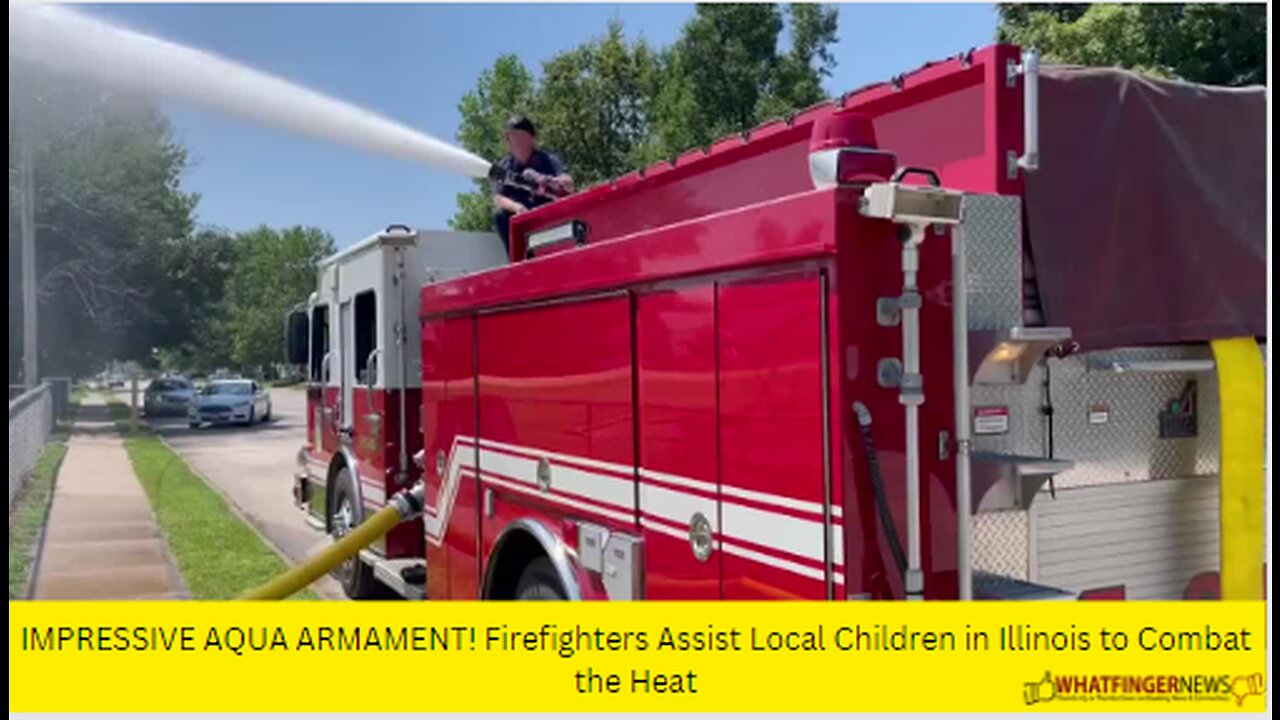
[533,176]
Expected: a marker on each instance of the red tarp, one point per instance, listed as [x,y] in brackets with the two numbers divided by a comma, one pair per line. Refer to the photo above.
[1147,219]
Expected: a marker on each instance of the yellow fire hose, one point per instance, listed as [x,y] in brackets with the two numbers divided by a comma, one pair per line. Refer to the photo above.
[406,505]
[1242,483]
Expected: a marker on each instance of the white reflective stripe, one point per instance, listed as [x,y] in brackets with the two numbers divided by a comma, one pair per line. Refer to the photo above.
[769,530]
[670,479]
[605,489]
[677,507]
[779,563]
[435,518]
[730,491]
[779,501]
[658,527]
[558,499]
[624,470]
[797,536]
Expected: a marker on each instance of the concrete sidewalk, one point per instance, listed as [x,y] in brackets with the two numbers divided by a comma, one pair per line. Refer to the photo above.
[102,541]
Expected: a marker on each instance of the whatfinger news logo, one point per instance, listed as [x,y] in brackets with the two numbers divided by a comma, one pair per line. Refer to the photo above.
[1143,688]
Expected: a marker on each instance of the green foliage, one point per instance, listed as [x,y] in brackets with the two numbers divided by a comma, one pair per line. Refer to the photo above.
[271,273]
[720,73]
[591,106]
[111,222]
[1206,43]
[123,272]
[610,105]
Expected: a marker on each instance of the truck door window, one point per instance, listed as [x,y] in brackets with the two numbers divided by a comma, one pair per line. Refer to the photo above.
[319,341]
[366,330]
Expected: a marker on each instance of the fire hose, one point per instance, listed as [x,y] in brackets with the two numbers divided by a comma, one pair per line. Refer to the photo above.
[405,505]
[528,180]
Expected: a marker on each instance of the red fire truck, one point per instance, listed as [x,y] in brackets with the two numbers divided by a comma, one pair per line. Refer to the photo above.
[822,359]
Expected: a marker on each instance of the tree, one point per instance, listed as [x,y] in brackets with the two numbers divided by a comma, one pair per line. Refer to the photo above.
[726,74]
[205,269]
[719,74]
[1206,43]
[272,272]
[592,107]
[110,217]
[797,81]
[608,105]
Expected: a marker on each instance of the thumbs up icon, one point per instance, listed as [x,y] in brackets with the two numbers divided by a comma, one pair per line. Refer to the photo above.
[1245,685]
[1037,692]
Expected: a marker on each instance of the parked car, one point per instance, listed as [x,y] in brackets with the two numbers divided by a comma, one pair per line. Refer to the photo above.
[223,402]
[168,396]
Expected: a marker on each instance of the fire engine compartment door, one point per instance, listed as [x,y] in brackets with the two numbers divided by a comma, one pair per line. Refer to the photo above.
[772,470]
[556,433]
[679,467]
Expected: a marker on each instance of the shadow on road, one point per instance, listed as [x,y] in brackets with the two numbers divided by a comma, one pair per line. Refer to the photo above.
[177,427]
[94,420]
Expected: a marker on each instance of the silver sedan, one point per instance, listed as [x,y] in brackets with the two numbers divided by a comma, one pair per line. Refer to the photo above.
[225,402]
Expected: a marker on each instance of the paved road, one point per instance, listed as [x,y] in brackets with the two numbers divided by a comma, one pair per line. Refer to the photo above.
[254,467]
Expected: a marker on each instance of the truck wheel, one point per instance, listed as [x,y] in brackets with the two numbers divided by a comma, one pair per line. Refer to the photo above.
[355,577]
[539,582]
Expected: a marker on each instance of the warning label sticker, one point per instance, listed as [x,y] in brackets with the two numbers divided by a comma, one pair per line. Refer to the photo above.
[990,420]
[1099,414]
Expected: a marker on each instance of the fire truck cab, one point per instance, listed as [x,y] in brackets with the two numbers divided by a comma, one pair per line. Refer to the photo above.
[359,339]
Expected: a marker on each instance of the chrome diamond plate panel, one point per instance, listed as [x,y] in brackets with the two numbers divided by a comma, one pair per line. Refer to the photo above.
[993,242]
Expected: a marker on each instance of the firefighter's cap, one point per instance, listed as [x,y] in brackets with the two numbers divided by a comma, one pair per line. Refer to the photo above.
[522,122]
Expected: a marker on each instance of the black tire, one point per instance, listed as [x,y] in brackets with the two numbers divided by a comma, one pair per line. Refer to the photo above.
[539,582]
[252,412]
[355,577]
[266,417]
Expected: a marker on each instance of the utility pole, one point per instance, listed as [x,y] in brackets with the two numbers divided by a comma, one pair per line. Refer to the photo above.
[26,219]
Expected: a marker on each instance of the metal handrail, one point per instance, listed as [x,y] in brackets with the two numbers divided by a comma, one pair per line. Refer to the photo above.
[20,403]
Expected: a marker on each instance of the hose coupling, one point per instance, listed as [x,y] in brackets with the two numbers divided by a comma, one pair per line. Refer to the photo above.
[409,503]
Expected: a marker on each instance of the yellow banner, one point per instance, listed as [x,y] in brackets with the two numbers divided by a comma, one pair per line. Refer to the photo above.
[774,657]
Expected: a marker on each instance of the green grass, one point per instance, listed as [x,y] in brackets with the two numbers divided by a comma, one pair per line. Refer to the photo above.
[220,557]
[30,510]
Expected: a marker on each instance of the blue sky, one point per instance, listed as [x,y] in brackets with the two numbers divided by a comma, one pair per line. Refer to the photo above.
[413,63]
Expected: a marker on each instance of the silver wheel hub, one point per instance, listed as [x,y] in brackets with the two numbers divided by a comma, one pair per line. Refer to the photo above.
[343,520]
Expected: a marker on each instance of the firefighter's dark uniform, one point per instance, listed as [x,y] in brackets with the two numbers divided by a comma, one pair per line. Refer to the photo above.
[541,162]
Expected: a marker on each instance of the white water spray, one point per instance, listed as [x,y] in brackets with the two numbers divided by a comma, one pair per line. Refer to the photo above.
[72,43]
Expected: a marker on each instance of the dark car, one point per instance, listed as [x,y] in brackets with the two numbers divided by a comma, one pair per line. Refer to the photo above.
[169,396]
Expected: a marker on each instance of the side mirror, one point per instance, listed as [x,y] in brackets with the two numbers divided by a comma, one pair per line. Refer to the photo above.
[297,337]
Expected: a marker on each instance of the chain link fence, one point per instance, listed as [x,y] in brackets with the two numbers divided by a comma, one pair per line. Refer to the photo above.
[30,422]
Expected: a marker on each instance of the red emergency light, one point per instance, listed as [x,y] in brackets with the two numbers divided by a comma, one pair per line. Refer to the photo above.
[843,151]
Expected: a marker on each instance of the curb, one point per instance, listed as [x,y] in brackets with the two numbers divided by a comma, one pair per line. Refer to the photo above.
[240,513]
